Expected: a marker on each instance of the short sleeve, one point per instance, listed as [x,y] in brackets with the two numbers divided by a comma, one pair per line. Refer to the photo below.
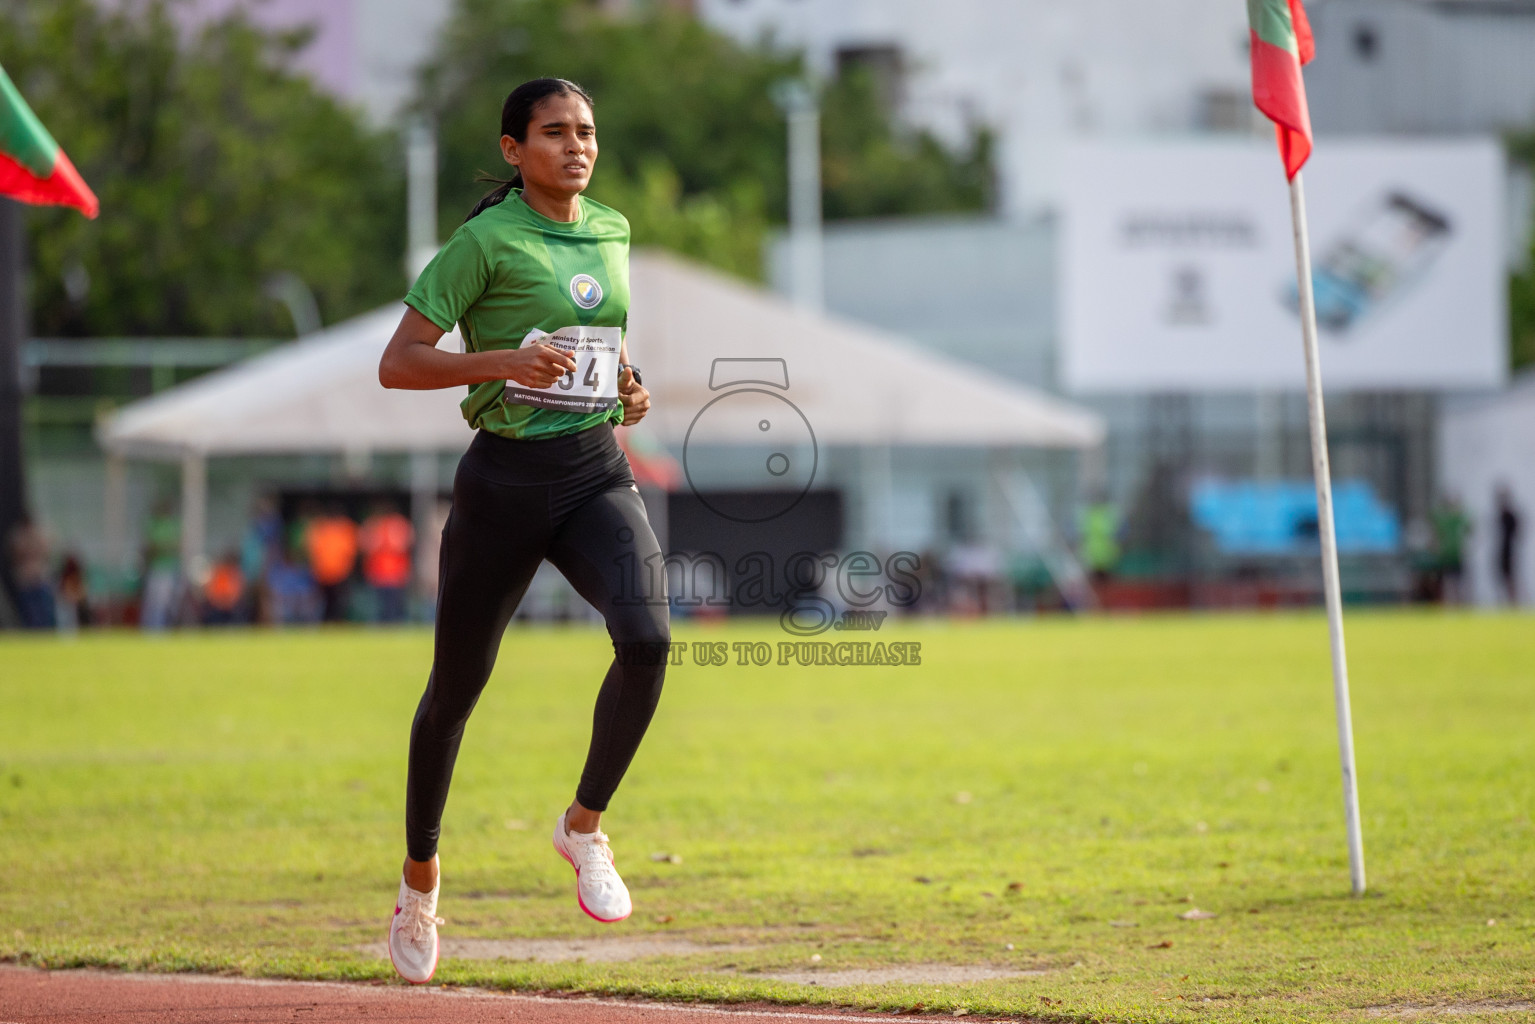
[452,282]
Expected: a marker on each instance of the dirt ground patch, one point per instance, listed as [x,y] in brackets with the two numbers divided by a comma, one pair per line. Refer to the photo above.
[619,950]
[908,974]
[1410,1011]
[554,951]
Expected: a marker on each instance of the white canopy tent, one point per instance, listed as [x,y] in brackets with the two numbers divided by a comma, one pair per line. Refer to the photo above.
[856,384]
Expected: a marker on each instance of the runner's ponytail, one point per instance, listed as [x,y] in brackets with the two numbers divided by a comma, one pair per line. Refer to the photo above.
[516,114]
[496,195]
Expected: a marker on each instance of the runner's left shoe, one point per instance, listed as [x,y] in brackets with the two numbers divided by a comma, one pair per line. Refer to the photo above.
[599,890]
[413,934]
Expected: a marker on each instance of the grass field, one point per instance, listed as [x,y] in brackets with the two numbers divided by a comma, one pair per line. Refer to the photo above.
[1046,795]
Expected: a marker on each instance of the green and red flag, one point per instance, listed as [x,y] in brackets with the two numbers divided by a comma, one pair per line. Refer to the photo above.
[33,168]
[1281,43]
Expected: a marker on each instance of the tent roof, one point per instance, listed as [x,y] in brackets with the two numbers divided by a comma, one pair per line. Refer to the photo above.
[853,383]
[317,394]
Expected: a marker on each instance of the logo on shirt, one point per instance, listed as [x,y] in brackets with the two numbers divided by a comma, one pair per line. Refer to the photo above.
[585,290]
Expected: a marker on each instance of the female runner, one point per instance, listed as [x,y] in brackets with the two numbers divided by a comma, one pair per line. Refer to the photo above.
[538,281]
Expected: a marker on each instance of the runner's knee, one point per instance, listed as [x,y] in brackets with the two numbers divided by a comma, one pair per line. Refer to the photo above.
[647,624]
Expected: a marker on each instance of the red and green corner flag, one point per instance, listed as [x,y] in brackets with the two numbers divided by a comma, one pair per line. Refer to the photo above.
[33,168]
[1281,43]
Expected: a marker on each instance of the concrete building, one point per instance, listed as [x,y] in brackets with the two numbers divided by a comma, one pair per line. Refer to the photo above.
[1420,67]
[1040,73]
[365,51]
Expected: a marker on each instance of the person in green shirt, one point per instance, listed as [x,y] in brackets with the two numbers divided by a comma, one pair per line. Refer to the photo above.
[160,605]
[1099,529]
[1451,527]
[537,281]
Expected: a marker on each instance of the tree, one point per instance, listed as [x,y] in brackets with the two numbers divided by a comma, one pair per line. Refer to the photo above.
[872,169]
[1521,317]
[1521,286]
[692,143]
[218,167]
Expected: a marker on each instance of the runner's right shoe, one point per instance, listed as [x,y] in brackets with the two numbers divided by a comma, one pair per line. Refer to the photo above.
[413,934]
[599,890]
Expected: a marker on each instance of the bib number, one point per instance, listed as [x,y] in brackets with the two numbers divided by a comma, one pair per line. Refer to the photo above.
[591,387]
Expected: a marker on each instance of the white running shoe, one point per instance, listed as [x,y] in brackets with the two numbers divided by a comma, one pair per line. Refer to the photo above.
[413,934]
[599,890]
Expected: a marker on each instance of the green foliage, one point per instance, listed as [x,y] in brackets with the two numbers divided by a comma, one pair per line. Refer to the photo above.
[722,227]
[1040,795]
[1521,287]
[217,166]
[693,147]
[870,170]
[1521,317]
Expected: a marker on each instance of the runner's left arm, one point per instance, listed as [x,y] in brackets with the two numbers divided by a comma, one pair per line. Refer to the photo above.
[631,393]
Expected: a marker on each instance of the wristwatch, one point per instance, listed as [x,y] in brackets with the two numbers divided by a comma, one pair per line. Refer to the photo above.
[634,369]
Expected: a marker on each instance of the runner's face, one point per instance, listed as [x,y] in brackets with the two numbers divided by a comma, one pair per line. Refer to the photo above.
[560,148]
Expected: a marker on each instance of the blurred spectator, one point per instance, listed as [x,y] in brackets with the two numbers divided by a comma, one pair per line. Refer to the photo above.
[298,528]
[73,605]
[331,543]
[1099,526]
[974,573]
[386,540]
[162,569]
[28,549]
[931,596]
[1423,558]
[224,592]
[1508,543]
[294,596]
[260,549]
[427,555]
[1451,527]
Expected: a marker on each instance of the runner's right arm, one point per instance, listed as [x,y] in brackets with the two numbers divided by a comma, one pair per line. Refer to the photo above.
[413,361]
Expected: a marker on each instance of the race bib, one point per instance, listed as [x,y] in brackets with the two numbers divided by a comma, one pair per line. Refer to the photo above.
[591,387]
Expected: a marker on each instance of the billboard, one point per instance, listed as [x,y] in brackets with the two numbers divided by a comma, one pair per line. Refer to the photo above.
[1177,267]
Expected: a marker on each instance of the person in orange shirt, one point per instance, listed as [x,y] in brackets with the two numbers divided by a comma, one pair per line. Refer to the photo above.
[224,591]
[386,540]
[331,542]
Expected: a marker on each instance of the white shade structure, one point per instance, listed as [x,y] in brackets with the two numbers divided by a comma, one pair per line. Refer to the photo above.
[857,385]
[318,394]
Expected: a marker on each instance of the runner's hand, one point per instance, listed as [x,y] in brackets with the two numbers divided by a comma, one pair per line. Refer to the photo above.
[633,396]
[538,364]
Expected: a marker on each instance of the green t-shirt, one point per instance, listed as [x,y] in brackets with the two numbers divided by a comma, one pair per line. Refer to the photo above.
[512,270]
[1100,536]
[1450,529]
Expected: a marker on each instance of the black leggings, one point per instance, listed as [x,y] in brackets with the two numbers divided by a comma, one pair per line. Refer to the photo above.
[573,501]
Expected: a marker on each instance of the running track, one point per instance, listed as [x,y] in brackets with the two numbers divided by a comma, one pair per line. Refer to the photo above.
[32,996]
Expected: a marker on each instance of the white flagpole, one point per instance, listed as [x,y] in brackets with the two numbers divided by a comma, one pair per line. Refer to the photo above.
[1324,522]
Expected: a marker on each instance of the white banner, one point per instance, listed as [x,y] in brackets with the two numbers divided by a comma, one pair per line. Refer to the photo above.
[1177,267]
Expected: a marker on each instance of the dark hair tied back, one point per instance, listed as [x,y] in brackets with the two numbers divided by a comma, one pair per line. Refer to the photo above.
[516,115]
